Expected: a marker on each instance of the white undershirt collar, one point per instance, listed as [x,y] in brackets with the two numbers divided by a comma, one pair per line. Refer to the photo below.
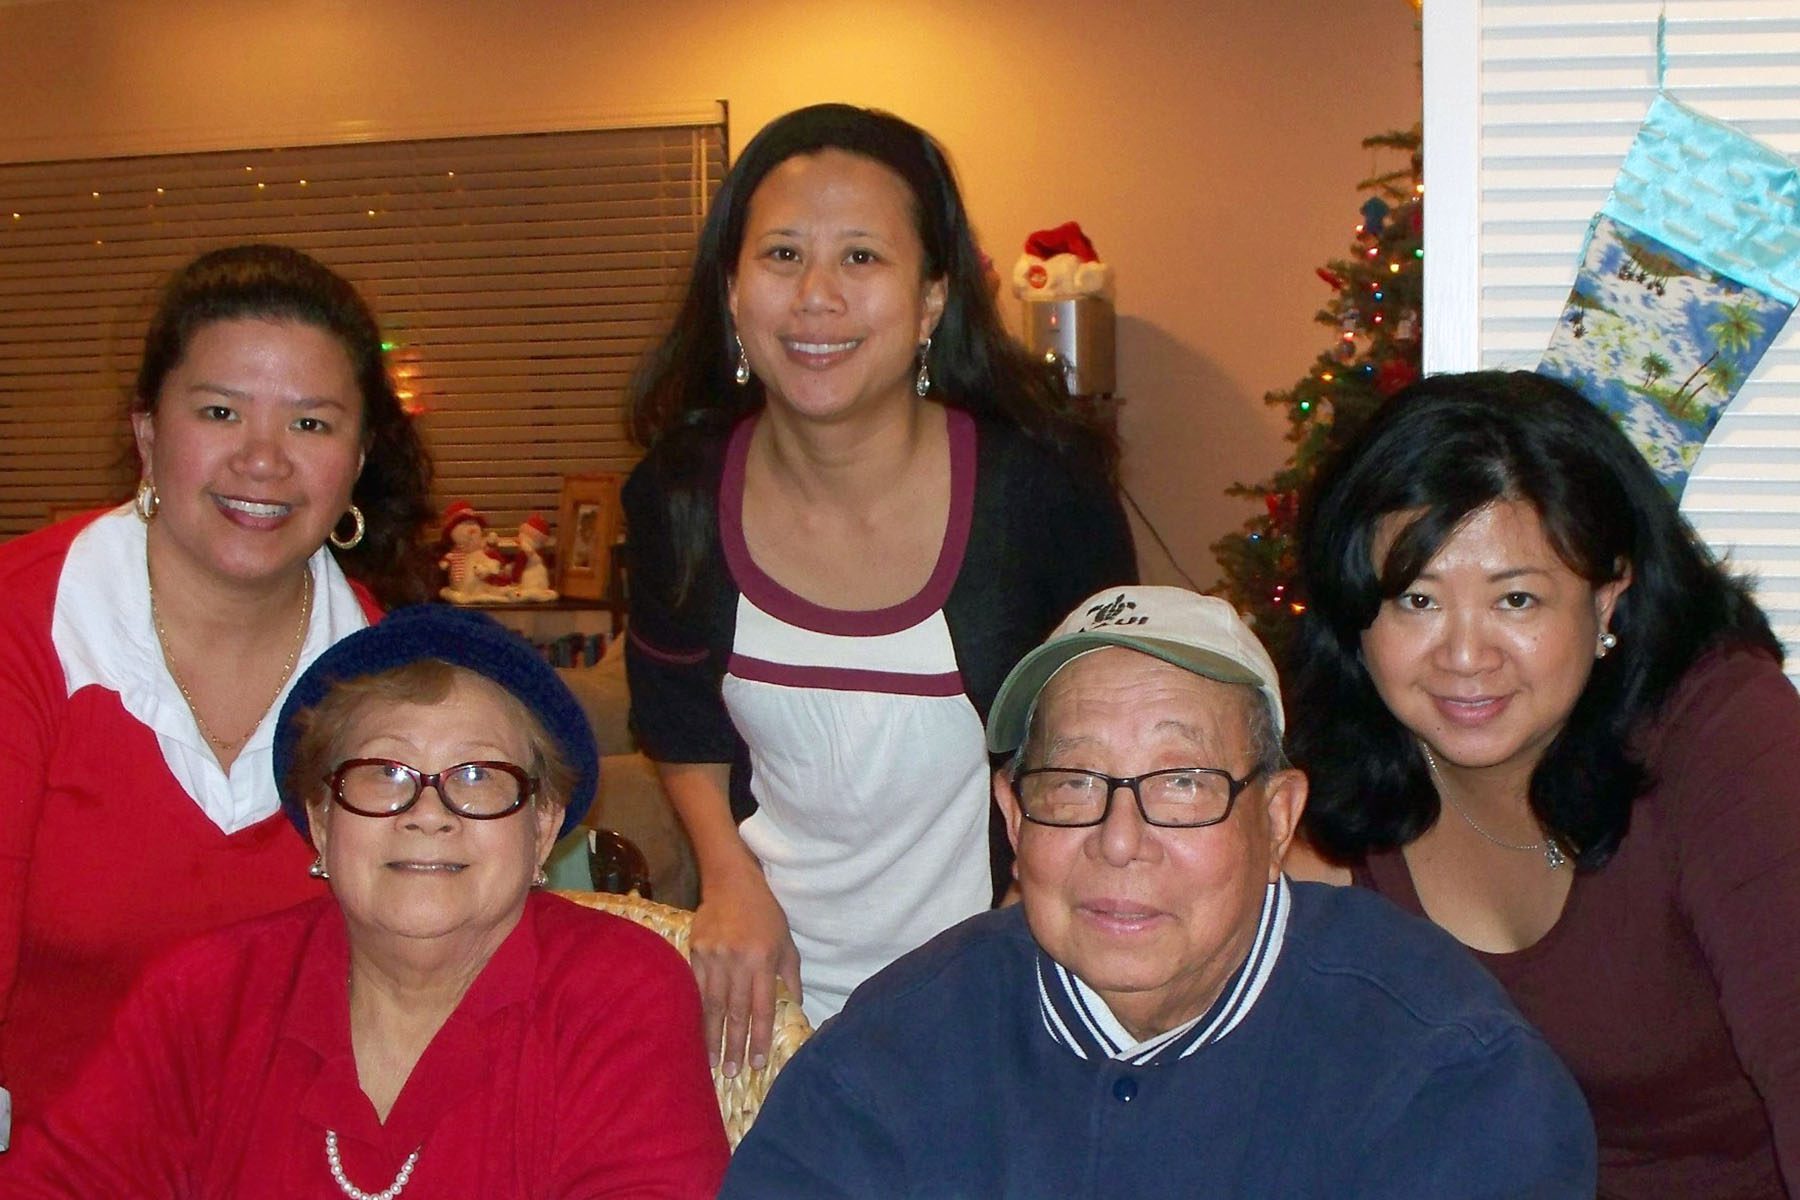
[104,637]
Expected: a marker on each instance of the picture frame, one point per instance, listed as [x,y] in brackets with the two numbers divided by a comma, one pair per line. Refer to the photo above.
[588,523]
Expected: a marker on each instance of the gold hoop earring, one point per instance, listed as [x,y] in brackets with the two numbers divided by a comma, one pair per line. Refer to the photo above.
[355,539]
[922,385]
[742,374]
[147,501]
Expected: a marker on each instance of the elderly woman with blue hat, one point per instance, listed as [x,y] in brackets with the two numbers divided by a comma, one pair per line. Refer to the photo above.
[437,1027]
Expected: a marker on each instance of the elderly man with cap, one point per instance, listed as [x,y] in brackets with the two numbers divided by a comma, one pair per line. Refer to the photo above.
[435,1027]
[1164,1013]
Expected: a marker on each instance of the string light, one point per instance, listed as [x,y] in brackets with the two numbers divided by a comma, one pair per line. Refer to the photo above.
[1394,268]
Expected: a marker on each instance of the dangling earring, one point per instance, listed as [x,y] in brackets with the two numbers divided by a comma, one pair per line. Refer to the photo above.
[147,501]
[1608,640]
[542,878]
[355,539]
[922,385]
[317,870]
[742,374]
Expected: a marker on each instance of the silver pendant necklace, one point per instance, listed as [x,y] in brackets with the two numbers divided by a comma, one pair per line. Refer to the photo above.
[350,1189]
[1553,853]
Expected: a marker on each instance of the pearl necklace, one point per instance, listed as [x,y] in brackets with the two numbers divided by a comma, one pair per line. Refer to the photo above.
[218,743]
[1553,853]
[350,1189]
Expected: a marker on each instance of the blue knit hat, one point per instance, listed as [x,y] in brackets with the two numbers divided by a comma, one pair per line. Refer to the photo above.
[462,638]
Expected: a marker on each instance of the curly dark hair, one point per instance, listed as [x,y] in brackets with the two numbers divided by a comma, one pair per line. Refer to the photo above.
[1445,447]
[683,390]
[281,283]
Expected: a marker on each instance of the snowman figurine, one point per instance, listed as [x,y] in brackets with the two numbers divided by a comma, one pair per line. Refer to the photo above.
[472,572]
[534,576]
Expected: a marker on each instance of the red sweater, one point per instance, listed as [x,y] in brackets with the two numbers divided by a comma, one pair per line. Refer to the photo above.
[573,1069]
[1670,985]
[105,861]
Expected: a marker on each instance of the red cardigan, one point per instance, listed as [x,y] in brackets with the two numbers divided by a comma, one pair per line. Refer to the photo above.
[104,860]
[572,1069]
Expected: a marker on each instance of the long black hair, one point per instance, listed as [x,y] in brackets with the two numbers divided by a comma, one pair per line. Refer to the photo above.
[1444,448]
[683,391]
[280,283]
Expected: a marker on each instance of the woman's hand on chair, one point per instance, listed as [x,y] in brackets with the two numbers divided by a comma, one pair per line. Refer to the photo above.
[740,946]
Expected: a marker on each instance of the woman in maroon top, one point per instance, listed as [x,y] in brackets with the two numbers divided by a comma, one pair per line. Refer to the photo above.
[1537,711]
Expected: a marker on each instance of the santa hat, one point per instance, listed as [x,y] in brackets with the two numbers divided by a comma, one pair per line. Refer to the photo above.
[1059,264]
[537,523]
[458,512]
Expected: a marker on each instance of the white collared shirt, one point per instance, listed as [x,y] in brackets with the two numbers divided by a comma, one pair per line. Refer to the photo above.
[1080,1020]
[104,637]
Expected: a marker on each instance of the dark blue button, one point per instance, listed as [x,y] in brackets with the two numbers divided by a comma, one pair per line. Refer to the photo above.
[1125,1090]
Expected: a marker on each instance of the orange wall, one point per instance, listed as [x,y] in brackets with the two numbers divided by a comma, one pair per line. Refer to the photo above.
[1209,147]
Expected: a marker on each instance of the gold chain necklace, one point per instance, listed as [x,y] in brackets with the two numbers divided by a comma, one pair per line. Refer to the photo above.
[1553,853]
[287,670]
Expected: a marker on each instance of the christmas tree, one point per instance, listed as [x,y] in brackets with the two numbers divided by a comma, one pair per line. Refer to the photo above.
[1376,299]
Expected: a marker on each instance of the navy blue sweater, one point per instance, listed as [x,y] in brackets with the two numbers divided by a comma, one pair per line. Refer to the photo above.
[1380,1060]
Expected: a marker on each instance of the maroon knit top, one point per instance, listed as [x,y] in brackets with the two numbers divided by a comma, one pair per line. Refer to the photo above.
[1671,982]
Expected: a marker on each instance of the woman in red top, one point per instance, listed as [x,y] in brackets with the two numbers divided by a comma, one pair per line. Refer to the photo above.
[1534,709]
[434,1028]
[143,651]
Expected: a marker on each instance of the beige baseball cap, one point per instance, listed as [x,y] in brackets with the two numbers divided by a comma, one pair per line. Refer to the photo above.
[1202,634]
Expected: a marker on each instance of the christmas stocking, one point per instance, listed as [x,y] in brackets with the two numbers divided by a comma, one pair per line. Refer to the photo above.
[1689,272]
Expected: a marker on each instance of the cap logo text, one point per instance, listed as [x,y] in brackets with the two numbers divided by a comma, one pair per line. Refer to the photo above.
[1114,612]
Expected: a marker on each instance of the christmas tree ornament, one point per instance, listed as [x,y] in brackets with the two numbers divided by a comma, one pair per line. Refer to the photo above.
[1689,272]
[1375,211]
[1394,374]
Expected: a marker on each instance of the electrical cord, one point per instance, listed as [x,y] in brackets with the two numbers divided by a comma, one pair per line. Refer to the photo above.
[1158,537]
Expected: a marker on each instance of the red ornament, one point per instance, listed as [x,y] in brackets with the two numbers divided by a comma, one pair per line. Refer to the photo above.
[1331,277]
[1393,375]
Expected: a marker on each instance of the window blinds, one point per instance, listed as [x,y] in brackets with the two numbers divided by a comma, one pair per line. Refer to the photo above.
[518,278]
[1543,100]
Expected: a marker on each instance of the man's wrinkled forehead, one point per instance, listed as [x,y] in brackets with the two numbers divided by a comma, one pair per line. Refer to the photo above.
[1203,719]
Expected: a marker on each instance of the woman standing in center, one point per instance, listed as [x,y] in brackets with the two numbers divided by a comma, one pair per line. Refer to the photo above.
[862,503]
